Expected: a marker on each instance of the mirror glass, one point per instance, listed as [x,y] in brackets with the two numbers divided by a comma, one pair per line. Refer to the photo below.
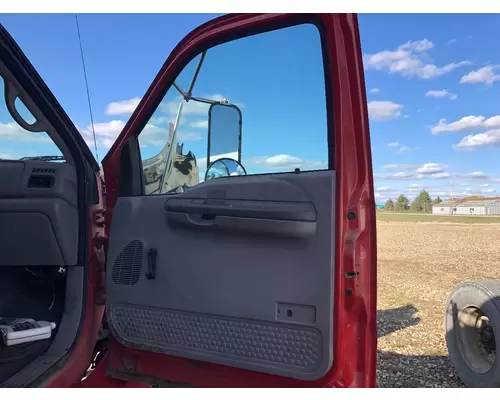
[223,168]
[224,132]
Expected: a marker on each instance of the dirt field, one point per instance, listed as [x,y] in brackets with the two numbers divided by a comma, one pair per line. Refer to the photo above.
[419,263]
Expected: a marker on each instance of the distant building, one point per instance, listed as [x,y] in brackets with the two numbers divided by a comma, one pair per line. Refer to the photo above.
[443,208]
[478,207]
[468,207]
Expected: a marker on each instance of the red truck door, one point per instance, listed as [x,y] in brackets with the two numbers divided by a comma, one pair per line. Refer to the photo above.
[243,276]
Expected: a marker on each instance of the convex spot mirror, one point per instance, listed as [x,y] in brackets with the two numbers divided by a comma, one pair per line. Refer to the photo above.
[223,168]
[224,132]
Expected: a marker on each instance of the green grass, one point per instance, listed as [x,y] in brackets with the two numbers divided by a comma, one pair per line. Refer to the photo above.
[461,219]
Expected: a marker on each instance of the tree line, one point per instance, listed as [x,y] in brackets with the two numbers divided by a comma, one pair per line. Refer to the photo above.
[422,203]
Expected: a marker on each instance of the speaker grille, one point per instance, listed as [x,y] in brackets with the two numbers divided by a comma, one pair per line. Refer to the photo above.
[127,266]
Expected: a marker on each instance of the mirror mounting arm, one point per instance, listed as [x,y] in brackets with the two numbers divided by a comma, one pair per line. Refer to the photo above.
[182,92]
[196,72]
[187,97]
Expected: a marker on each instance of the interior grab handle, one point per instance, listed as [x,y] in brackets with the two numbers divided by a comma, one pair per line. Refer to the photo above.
[212,208]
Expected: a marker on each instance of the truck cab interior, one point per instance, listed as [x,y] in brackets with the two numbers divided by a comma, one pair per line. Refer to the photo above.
[43,212]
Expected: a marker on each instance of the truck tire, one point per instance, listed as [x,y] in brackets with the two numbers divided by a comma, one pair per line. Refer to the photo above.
[472,328]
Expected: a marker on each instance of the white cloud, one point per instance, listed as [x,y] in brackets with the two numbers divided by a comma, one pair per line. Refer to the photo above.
[384,110]
[475,175]
[409,60]
[484,75]
[412,190]
[12,131]
[155,136]
[122,107]
[188,136]
[282,160]
[439,193]
[285,162]
[109,129]
[468,123]
[431,168]
[202,164]
[155,132]
[399,148]
[413,176]
[10,156]
[152,135]
[451,41]
[399,176]
[374,90]
[489,138]
[199,124]
[417,187]
[443,93]
[417,46]
[440,175]
[432,171]
[105,132]
[401,166]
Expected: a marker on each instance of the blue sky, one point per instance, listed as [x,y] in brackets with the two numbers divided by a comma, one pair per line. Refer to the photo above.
[431,81]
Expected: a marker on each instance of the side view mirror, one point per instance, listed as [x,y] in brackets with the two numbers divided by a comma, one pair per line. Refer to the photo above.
[224,132]
[224,167]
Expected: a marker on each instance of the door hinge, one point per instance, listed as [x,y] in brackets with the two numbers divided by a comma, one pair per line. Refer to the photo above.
[100,241]
[100,217]
[100,244]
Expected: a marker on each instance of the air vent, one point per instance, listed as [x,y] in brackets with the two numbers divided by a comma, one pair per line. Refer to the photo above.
[41,181]
[127,266]
[43,171]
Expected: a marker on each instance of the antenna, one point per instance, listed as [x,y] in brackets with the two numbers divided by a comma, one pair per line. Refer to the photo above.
[87,87]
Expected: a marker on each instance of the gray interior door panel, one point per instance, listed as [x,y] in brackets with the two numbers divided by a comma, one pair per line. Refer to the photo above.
[38,214]
[235,271]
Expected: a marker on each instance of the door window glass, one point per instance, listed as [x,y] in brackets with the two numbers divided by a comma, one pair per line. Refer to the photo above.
[259,101]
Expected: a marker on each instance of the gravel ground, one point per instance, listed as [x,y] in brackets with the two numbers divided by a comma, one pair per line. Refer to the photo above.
[419,264]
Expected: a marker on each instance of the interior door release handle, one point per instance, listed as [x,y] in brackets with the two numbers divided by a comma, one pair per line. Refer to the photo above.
[152,253]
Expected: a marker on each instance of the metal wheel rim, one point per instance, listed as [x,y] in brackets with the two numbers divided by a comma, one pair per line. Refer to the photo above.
[476,339]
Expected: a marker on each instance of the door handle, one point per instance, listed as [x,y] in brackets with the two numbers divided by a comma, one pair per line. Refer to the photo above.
[152,254]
